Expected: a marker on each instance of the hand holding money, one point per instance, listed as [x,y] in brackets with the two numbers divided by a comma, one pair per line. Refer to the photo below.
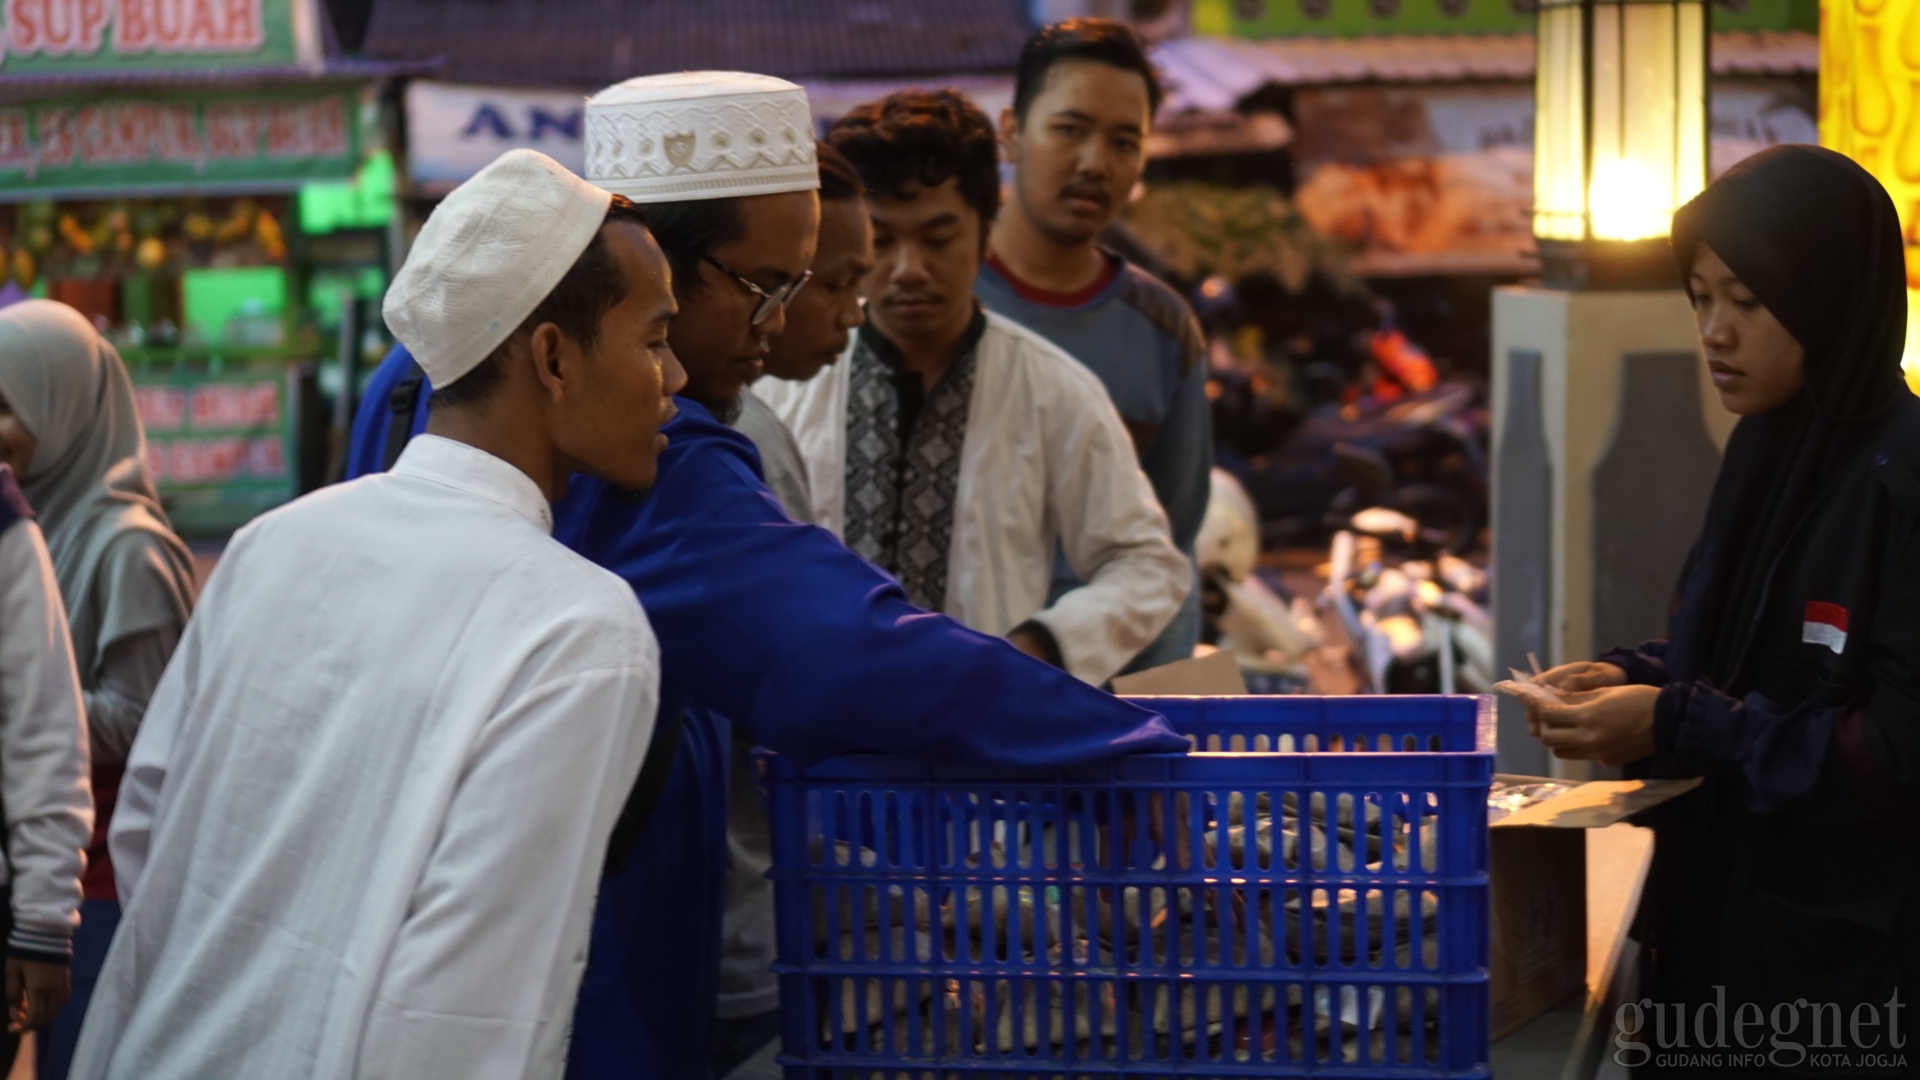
[1583,675]
[1612,726]
[1533,691]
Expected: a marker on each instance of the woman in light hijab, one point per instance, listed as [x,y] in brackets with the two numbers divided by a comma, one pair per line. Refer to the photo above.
[1785,887]
[70,432]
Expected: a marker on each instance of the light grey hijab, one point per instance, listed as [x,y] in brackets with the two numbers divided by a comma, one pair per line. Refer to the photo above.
[88,479]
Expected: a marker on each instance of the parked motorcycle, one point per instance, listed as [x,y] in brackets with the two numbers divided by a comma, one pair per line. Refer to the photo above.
[1412,610]
[1419,627]
[1422,455]
[1269,634]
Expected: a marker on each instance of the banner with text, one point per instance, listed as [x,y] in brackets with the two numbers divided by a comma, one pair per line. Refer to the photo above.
[77,37]
[454,131]
[219,446]
[262,141]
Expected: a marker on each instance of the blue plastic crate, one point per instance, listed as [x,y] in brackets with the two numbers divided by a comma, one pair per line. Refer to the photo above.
[1409,724]
[1223,914]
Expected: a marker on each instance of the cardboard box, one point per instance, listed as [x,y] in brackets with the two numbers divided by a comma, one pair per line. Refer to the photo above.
[1538,946]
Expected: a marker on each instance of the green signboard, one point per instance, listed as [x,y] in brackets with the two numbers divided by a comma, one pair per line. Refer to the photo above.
[1357,18]
[220,446]
[262,140]
[1363,18]
[71,37]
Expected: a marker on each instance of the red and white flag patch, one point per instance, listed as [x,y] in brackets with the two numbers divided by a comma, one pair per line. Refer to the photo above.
[1826,624]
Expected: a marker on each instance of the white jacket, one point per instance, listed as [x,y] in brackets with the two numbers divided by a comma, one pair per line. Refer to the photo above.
[44,783]
[1047,460]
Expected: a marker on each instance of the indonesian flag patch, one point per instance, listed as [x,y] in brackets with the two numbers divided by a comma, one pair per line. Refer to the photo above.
[1826,624]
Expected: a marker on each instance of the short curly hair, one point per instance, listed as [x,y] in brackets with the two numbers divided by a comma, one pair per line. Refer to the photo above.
[915,139]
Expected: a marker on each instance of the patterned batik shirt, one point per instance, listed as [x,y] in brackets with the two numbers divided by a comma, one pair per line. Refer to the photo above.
[904,445]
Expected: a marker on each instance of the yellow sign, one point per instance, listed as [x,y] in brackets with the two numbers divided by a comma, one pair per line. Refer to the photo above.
[1870,111]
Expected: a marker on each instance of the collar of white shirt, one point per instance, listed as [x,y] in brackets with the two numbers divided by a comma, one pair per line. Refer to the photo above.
[476,472]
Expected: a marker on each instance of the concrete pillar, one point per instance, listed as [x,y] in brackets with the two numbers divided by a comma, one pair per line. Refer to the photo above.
[1606,439]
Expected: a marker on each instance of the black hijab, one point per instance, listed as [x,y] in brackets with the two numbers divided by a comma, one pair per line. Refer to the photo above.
[1816,239]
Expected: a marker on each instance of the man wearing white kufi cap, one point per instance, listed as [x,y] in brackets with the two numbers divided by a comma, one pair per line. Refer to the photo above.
[764,623]
[362,826]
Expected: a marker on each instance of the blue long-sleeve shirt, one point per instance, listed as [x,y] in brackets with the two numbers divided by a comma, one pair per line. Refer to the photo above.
[815,652]
[1141,339]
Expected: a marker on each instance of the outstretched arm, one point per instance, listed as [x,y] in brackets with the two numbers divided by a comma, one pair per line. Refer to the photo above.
[814,651]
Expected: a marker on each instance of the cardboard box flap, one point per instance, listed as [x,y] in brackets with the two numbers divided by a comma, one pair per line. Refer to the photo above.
[1596,804]
[1216,674]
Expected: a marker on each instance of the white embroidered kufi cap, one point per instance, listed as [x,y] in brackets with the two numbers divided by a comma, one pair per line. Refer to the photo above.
[700,135]
[491,252]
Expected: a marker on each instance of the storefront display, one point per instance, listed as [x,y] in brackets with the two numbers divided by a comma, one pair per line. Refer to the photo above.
[220,444]
[153,155]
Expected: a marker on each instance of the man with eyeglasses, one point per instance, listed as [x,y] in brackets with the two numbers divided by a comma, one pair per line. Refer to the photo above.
[762,621]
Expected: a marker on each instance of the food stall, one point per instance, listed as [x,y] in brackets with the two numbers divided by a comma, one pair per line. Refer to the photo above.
[156,162]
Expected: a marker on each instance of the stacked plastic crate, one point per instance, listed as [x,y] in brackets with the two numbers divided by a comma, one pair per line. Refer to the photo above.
[1305,895]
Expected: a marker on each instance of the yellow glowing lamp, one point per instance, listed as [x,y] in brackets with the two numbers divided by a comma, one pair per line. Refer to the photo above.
[1620,136]
[1870,111]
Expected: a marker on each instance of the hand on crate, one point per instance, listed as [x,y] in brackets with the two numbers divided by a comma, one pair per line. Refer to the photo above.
[1611,726]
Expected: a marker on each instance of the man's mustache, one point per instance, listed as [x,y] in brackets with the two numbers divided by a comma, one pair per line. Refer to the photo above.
[1086,189]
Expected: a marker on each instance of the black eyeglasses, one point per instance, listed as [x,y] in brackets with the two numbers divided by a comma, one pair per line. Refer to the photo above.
[778,298]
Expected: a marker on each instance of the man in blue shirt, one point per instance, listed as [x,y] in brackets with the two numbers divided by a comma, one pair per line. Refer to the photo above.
[761,621]
[1084,98]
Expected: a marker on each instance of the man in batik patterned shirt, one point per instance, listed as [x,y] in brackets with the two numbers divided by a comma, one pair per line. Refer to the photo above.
[958,450]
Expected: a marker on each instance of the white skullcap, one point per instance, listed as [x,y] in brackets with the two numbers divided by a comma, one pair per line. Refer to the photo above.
[493,249]
[701,135]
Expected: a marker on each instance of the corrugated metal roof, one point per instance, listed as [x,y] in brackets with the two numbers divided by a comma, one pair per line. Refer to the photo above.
[1194,133]
[337,69]
[1766,52]
[1211,74]
[591,43]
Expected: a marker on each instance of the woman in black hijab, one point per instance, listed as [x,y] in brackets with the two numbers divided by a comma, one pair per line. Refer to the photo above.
[1789,881]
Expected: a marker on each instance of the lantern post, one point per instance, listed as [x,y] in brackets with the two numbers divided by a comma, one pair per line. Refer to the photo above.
[1606,433]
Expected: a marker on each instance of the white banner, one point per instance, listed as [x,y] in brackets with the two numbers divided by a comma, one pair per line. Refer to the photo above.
[453,131]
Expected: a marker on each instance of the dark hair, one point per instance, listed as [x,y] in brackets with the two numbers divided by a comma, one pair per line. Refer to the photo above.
[838,181]
[1100,40]
[589,289]
[691,230]
[920,139]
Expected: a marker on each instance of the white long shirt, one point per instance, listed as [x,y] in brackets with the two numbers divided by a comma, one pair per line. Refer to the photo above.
[362,826]
[1046,460]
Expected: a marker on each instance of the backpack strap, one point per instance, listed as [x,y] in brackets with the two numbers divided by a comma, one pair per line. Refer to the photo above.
[646,792]
[400,406]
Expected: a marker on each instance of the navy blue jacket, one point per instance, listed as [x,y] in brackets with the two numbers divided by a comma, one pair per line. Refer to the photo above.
[1781,878]
[815,652]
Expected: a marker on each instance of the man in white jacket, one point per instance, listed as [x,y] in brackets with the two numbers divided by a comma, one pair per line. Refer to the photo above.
[43,771]
[956,449]
[363,823]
